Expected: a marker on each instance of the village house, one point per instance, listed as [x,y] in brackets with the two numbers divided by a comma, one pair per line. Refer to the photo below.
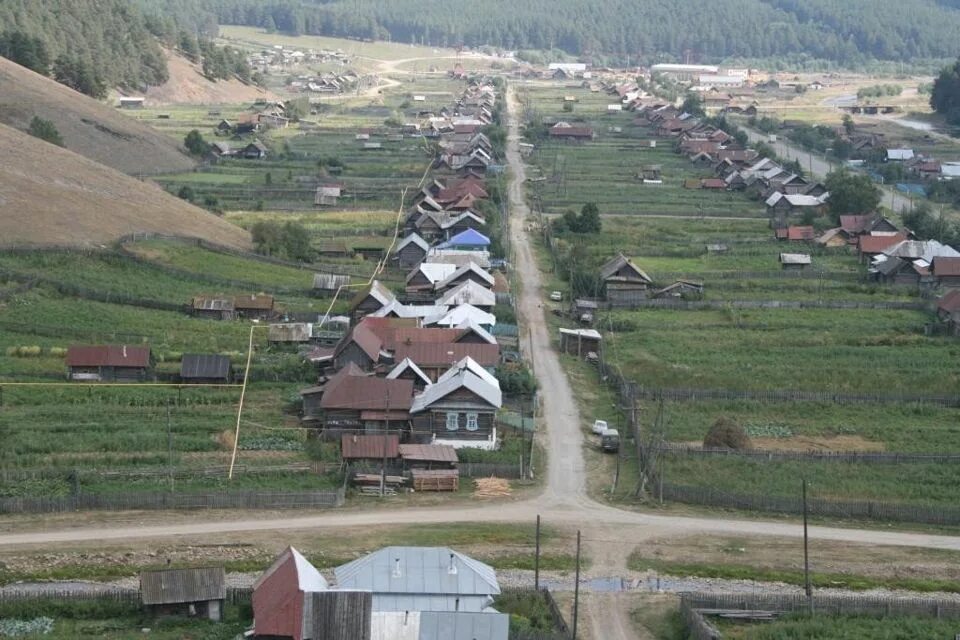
[466,273]
[435,358]
[469,292]
[795,233]
[205,368]
[198,592]
[215,308]
[459,409]
[253,151]
[428,274]
[870,246]
[411,251]
[407,369]
[254,307]
[290,333]
[328,195]
[946,272]
[624,281]
[948,311]
[460,314]
[109,363]
[352,401]
[369,299]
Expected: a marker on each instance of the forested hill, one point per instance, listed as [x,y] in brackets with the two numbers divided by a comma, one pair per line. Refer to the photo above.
[846,31]
[89,45]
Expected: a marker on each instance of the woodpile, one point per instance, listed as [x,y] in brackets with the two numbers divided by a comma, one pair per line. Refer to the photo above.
[435,480]
[491,487]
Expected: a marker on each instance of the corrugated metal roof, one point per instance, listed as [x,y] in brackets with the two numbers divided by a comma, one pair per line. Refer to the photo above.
[350,388]
[468,326]
[108,356]
[408,364]
[330,281]
[433,271]
[204,365]
[468,292]
[259,302]
[469,268]
[462,378]
[173,586]
[418,570]
[428,453]
[462,625]
[201,303]
[308,578]
[413,238]
[944,266]
[460,314]
[445,355]
[619,261]
[354,446]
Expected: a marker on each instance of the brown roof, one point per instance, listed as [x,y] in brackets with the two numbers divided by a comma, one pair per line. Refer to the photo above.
[203,303]
[950,302]
[944,266]
[350,388]
[353,447]
[108,356]
[433,335]
[428,453]
[437,355]
[571,132]
[713,183]
[797,233]
[257,302]
[364,337]
[877,244]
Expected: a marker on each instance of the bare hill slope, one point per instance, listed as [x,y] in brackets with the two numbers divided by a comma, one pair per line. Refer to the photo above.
[49,195]
[90,128]
[187,85]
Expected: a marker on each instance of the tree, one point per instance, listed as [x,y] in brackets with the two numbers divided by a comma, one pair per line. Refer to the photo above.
[589,221]
[27,51]
[693,105]
[186,193]
[79,76]
[195,144]
[45,130]
[945,97]
[851,193]
[848,124]
[727,434]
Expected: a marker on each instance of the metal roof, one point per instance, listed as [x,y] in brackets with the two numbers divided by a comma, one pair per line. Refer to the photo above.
[174,586]
[619,261]
[460,314]
[330,281]
[428,453]
[406,364]
[308,578]
[463,625]
[413,238]
[418,571]
[427,354]
[354,446]
[582,333]
[794,258]
[204,365]
[469,238]
[462,378]
[469,364]
[201,303]
[468,292]
[433,271]
[465,269]
[108,356]
[350,388]
[469,326]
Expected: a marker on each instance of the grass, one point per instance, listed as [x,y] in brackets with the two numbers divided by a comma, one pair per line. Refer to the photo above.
[798,626]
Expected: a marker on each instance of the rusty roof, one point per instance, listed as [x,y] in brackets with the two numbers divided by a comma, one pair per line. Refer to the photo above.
[350,388]
[108,356]
[175,586]
[950,302]
[800,233]
[364,337]
[428,453]
[355,446]
[261,302]
[426,354]
[204,303]
[877,244]
[431,335]
[946,266]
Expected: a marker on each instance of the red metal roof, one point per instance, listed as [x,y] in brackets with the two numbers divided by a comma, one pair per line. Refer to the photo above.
[943,266]
[950,302]
[439,355]
[108,356]
[350,388]
[713,183]
[877,244]
[798,233]
[431,335]
[353,447]
[856,224]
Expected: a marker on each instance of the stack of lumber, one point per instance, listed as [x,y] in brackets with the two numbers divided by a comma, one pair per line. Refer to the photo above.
[491,487]
[435,479]
[369,483]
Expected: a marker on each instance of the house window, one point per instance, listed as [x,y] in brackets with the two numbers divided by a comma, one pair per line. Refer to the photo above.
[472,422]
[453,421]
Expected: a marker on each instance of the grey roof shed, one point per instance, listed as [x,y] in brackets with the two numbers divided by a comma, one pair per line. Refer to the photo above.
[204,365]
[175,586]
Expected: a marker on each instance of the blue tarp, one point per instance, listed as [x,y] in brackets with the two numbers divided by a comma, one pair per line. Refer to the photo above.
[469,238]
[915,189]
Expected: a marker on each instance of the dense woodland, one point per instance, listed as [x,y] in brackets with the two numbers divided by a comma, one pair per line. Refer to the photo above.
[846,31]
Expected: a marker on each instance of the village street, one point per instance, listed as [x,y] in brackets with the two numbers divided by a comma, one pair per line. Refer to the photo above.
[610,534]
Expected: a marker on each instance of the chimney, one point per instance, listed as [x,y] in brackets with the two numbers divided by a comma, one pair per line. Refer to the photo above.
[452,569]
[396,568]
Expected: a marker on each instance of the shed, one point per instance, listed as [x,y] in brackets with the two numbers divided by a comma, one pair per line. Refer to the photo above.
[374,448]
[279,595]
[196,592]
[580,342]
[794,261]
[216,308]
[254,306]
[329,282]
[428,456]
[109,363]
[327,195]
[290,332]
[624,281]
[205,368]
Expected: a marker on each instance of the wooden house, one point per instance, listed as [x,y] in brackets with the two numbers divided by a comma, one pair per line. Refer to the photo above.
[352,400]
[411,251]
[205,368]
[215,308]
[682,289]
[198,592]
[946,272]
[361,346]
[109,363]
[428,456]
[460,408]
[435,358]
[407,369]
[466,273]
[471,293]
[254,306]
[624,281]
[427,274]
[568,133]
[369,299]
[254,151]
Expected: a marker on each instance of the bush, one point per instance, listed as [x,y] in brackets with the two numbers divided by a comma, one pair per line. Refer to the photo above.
[727,434]
[45,130]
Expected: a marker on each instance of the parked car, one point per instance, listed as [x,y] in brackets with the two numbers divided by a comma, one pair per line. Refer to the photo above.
[556,296]
[599,426]
[610,440]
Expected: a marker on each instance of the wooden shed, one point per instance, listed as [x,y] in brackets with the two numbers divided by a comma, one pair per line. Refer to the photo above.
[580,342]
[109,363]
[213,307]
[205,368]
[197,592]
[254,306]
[624,281]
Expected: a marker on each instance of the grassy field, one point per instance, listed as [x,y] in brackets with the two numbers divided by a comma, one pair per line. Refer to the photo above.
[801,626]
[603,171]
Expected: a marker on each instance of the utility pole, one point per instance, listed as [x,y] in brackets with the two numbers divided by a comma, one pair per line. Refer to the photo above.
[170,448]
[808,589]
[576,590]
[386,432]
[536,559]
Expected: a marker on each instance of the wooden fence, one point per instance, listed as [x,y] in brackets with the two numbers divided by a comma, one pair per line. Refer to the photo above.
[852,509]
[693,607]
[794,395]
[856,457]
[163,500]
[698,305]
[806,274]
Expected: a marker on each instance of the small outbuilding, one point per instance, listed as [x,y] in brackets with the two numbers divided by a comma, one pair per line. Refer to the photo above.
[109,363]
[794,261]
[205,368]
[197,592]
[580,342]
